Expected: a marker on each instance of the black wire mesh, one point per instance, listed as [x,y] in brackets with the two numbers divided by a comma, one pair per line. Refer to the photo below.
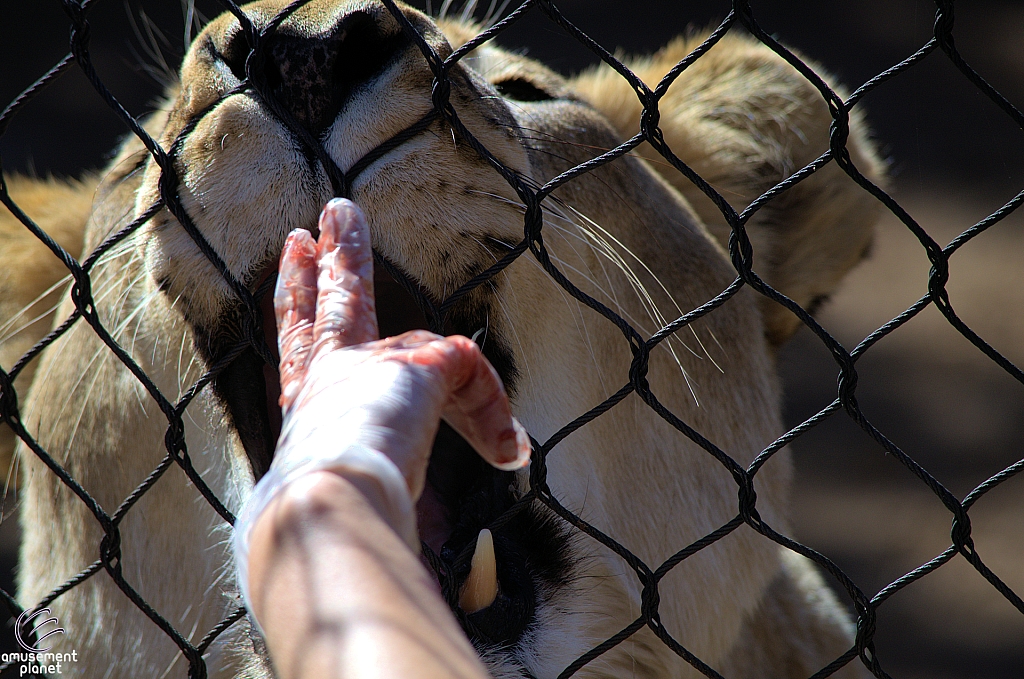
[533,197]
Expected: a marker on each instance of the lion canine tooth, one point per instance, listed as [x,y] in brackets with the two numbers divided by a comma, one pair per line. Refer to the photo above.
[481,587]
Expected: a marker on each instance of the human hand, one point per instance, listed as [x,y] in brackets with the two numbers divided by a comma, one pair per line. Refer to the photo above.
[359,410]
[343,388]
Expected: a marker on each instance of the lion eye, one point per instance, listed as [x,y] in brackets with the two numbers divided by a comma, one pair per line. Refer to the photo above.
[521,90]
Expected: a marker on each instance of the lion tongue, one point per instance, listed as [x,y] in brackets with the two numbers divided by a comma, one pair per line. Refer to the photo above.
[431,519]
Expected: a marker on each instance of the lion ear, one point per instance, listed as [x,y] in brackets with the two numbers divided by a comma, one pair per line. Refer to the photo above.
[744,120]
[30,273]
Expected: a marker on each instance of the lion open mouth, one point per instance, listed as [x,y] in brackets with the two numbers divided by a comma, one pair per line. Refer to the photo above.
[463,494]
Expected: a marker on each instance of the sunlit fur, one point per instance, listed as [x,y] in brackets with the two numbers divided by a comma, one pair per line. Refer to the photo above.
[635,235]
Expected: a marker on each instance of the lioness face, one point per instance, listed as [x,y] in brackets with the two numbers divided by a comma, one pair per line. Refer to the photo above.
[339,80]
[350,76]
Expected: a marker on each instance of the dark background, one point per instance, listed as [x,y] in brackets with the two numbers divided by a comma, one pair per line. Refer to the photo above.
[954,157]
[931,121]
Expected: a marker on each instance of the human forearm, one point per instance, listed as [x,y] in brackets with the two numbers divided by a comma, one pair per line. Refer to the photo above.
[323,544]
[348,597]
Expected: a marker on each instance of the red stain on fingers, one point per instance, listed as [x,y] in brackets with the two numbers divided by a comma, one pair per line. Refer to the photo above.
[476,404]
[294,307]
[346,312]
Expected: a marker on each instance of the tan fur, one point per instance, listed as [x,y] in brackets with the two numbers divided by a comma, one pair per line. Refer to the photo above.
[432,204]
[744,120]
[31,270]
[781,639]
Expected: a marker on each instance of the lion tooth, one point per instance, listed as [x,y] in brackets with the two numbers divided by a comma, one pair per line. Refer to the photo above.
[481,587]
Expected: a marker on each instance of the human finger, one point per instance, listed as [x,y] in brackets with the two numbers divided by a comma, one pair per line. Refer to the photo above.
[345,308]
[476,404]
[294,308]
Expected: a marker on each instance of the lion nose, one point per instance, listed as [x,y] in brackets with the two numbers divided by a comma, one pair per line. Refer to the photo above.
[313,77]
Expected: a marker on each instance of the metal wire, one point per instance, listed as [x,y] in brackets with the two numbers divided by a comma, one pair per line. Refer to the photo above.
[534,197]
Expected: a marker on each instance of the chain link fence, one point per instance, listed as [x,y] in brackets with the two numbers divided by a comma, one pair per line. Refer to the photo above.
[845,404]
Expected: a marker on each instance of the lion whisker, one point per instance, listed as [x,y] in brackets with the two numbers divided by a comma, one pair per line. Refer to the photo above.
[89,370]
[596,245]
[557,211]
[150,43]
[445,6]
[654,276]
[99,295]
[493,15]
[194,21]
[565,298]
[576,308]
[543,136]
[94,375]
[603,243]
[646,300]
[633,320]
[9,329]
[12,473]
[468,9]
[181,355]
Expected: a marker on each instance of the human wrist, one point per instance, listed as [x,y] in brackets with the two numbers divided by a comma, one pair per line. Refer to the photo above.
[373,494]
[317,537]
[329,580]
[369,471]
[310,505]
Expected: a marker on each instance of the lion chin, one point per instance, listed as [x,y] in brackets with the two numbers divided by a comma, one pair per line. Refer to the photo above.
[634,234]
